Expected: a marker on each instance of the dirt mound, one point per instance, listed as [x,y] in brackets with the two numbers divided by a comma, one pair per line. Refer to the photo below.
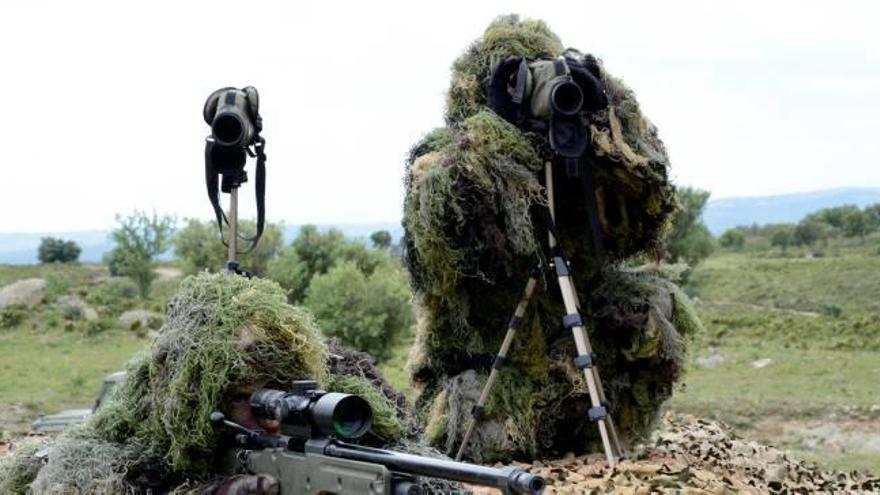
[692,455]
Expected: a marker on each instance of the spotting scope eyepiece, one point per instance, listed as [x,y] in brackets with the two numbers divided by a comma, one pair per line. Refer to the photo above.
[234,116]
[306,409]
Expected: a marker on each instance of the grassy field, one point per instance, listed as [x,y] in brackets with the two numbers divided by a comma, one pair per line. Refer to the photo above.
[815,323]
[49,361]
[790,355]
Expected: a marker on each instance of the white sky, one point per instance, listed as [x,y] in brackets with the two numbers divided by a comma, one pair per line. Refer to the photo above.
[102,101]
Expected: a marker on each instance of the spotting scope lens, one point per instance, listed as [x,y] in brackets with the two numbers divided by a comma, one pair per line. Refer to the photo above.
[332,414]
[227,129]
[566,98]
[233,115]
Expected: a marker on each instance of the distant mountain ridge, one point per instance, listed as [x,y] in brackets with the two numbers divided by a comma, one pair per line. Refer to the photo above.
[724,213]
[21,248]
[720,215]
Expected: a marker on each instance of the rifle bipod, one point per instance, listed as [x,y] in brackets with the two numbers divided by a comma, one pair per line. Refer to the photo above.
[585,359]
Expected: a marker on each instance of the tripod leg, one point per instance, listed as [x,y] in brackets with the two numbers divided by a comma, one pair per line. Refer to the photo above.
[585,359]
[595,371]
[514,324]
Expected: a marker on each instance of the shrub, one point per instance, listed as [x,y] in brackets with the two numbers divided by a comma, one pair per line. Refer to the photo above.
[689,239]
[54,250]
[733,238]
[198,247]
[381,239]
[11,316]
[313,253]
[366,311]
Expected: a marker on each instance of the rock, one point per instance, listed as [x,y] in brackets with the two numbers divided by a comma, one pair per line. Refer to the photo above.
[710,361]
[74,308]
[27,292]
[762,363]
[140,318]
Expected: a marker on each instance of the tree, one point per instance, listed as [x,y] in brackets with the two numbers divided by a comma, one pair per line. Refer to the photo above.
[733,238]
[313,253]
[781,235]
[381,239]
[54,250]
[689,239]
[198,246]
[366,311]
[808,231]
[139,239]
[856,224]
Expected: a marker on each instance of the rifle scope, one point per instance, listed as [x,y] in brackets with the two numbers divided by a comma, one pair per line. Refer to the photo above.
[306,407]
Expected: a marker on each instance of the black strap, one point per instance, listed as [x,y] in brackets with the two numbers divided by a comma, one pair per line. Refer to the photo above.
[588,180]
[212,181]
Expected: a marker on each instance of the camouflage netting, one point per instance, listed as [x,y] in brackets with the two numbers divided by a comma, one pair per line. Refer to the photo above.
[474,189]
[223,336]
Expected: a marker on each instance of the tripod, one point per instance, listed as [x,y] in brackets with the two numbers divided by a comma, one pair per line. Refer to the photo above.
[586,359]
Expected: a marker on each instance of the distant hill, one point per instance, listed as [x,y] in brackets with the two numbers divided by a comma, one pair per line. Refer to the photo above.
[724,213]
[21,248]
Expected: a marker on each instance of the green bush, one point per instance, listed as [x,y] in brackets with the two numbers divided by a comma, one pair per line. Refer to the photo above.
[367,312]
[313,253]
[290,272]
[689,239]
[11,316]
[198,247]
[54,250]
[116,294]
[381,239]
[733,238]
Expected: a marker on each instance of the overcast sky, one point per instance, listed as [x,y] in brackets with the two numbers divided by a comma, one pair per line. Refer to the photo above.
[102,106]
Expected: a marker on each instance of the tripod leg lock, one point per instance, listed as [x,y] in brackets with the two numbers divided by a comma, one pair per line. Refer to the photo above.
[499,361]
[479,413]
[515,323]
[561,266]
[572,320]
[585,361]
[597,413]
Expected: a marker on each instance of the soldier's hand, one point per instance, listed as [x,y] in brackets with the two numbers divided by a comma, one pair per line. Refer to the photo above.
[251,484]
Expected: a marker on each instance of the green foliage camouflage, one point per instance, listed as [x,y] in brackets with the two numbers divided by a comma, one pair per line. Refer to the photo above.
[19,469]
[223,337]
[474,189]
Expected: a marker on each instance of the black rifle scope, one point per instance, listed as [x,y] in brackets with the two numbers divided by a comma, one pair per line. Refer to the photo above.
[305,407]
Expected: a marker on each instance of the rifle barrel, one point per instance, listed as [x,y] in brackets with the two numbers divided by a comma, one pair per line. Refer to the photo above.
[509,479]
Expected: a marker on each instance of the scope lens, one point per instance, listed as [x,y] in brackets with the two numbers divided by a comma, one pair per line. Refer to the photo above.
[343,415]
[227,129]
[567,98]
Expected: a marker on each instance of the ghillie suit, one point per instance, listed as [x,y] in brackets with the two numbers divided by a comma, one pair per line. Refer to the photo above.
[223,335]
[473,223]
